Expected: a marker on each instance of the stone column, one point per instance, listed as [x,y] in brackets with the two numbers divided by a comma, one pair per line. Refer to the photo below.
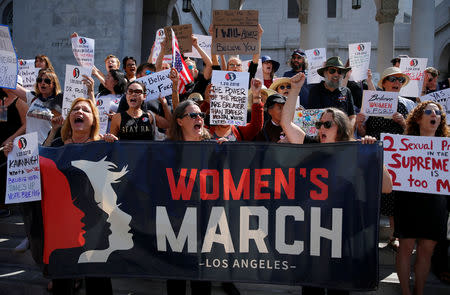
[422,30]
[313,20]
[386,12]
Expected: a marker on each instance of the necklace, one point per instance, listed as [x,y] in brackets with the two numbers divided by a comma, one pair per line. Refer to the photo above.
[81,141]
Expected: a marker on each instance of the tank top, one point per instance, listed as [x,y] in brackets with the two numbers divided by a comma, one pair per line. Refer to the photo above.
[135,128]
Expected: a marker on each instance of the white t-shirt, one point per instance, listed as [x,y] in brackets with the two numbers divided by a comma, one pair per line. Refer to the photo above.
[38,117]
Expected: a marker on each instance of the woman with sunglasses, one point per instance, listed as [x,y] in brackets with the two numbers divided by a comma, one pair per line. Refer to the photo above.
[391,80]
[134,123]
[281,85]
[334,126]
[420,218]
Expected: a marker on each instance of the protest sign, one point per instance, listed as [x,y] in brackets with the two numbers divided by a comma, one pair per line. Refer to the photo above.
[157,48]
[28,73]
[316,58]
[204,42]
[443,98]
[418,163]
[103,105]
[229,104]
[83,49]
[235,32]
[184,37]
[306,119]
[73,86]
[8,60]
[157,84]
[259,74]
[379,103]
[359,55]
[413,68]
[23,181]
[252,212]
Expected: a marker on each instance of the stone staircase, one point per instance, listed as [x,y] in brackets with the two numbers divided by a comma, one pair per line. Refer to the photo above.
[20,276]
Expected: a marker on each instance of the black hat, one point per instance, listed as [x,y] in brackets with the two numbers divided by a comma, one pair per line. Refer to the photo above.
[275,98]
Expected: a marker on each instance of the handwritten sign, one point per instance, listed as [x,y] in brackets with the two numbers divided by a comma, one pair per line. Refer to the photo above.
[73,86]
[443,98]
[8,60]
[235,32]
[413,68]
[157,84]
[23,180]
[83,49]
[418,163]
[28,73]
[229,105]
[316,58]
[184,37]
[204,42]
[359,55]
[306,119]
[379,103]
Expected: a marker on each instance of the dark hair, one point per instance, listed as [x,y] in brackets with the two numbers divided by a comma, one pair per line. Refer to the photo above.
[47,61]
[344,130]
[412,125]
[394,61]
[125,59]
[175,132]
[141,67]
[121,85]
[139,83]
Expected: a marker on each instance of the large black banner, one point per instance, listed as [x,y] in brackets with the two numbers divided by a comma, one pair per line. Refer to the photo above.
[263,213]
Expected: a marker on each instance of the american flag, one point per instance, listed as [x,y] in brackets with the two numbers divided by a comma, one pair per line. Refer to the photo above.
[179,64]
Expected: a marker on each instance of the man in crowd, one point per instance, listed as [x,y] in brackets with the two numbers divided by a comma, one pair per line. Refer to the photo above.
[272,131]
[299,63]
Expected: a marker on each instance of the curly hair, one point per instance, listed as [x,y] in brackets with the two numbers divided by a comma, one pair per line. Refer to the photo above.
[412,125]
[344,131]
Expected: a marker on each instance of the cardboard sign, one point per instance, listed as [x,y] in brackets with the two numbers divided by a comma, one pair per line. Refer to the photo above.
[229,105]
[379,103]
[204,42]
[8,60]
[23,180]
[306,119]
[73,86]
[418,163]
[316,58]
[157,84]
[103,104]
[359,55]
[414,68]
[83,49]
[28,73]
[184,37]
[235,32]
[443,98]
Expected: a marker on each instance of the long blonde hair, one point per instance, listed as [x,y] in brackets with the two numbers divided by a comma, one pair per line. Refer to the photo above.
[66,130]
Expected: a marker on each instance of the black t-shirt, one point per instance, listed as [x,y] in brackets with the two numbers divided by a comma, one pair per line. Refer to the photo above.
[341,98]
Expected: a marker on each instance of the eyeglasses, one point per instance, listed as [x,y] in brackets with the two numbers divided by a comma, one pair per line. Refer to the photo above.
[282,87]
[326,124]
[392,79]
[194,115]
[428,112]
[234,65]
[135,91]
[46,80]
[334,70]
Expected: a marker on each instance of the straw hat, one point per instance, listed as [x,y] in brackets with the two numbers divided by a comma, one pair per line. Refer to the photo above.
[389,72]
[334,62]
[278,82]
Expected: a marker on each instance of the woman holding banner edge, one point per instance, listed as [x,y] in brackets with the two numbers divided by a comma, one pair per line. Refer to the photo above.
[420,217]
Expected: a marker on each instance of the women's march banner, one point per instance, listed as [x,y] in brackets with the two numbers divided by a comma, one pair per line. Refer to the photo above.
[259,213]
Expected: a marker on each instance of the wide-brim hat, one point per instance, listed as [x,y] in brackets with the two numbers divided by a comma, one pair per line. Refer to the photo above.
[334,62]
[278,82]
[389,72]
[275,64]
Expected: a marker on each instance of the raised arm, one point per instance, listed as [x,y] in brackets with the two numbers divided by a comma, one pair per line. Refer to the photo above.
[89,82]
[174,76]
[207,71]
[160,58]
[293,133]
[370,84]
[166,109]
[150,57]
[255,58]
[19,92]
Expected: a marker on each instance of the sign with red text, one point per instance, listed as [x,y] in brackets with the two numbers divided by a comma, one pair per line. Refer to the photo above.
[418,163]
[159,38]
[28,73]
[359,56]
[379,103]
[83,49]
[413,68]
[73,86]
[23,180]
[443,98]
[229,104]
[316,58]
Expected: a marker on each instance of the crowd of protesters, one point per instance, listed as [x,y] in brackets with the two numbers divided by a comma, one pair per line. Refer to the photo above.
[185,117]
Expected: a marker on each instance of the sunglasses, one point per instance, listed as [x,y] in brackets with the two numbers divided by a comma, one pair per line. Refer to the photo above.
[428,112]
[334,70]
[46,80]
[392,79]
[135,91]
[282,87]
[194,115]
[326,124]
